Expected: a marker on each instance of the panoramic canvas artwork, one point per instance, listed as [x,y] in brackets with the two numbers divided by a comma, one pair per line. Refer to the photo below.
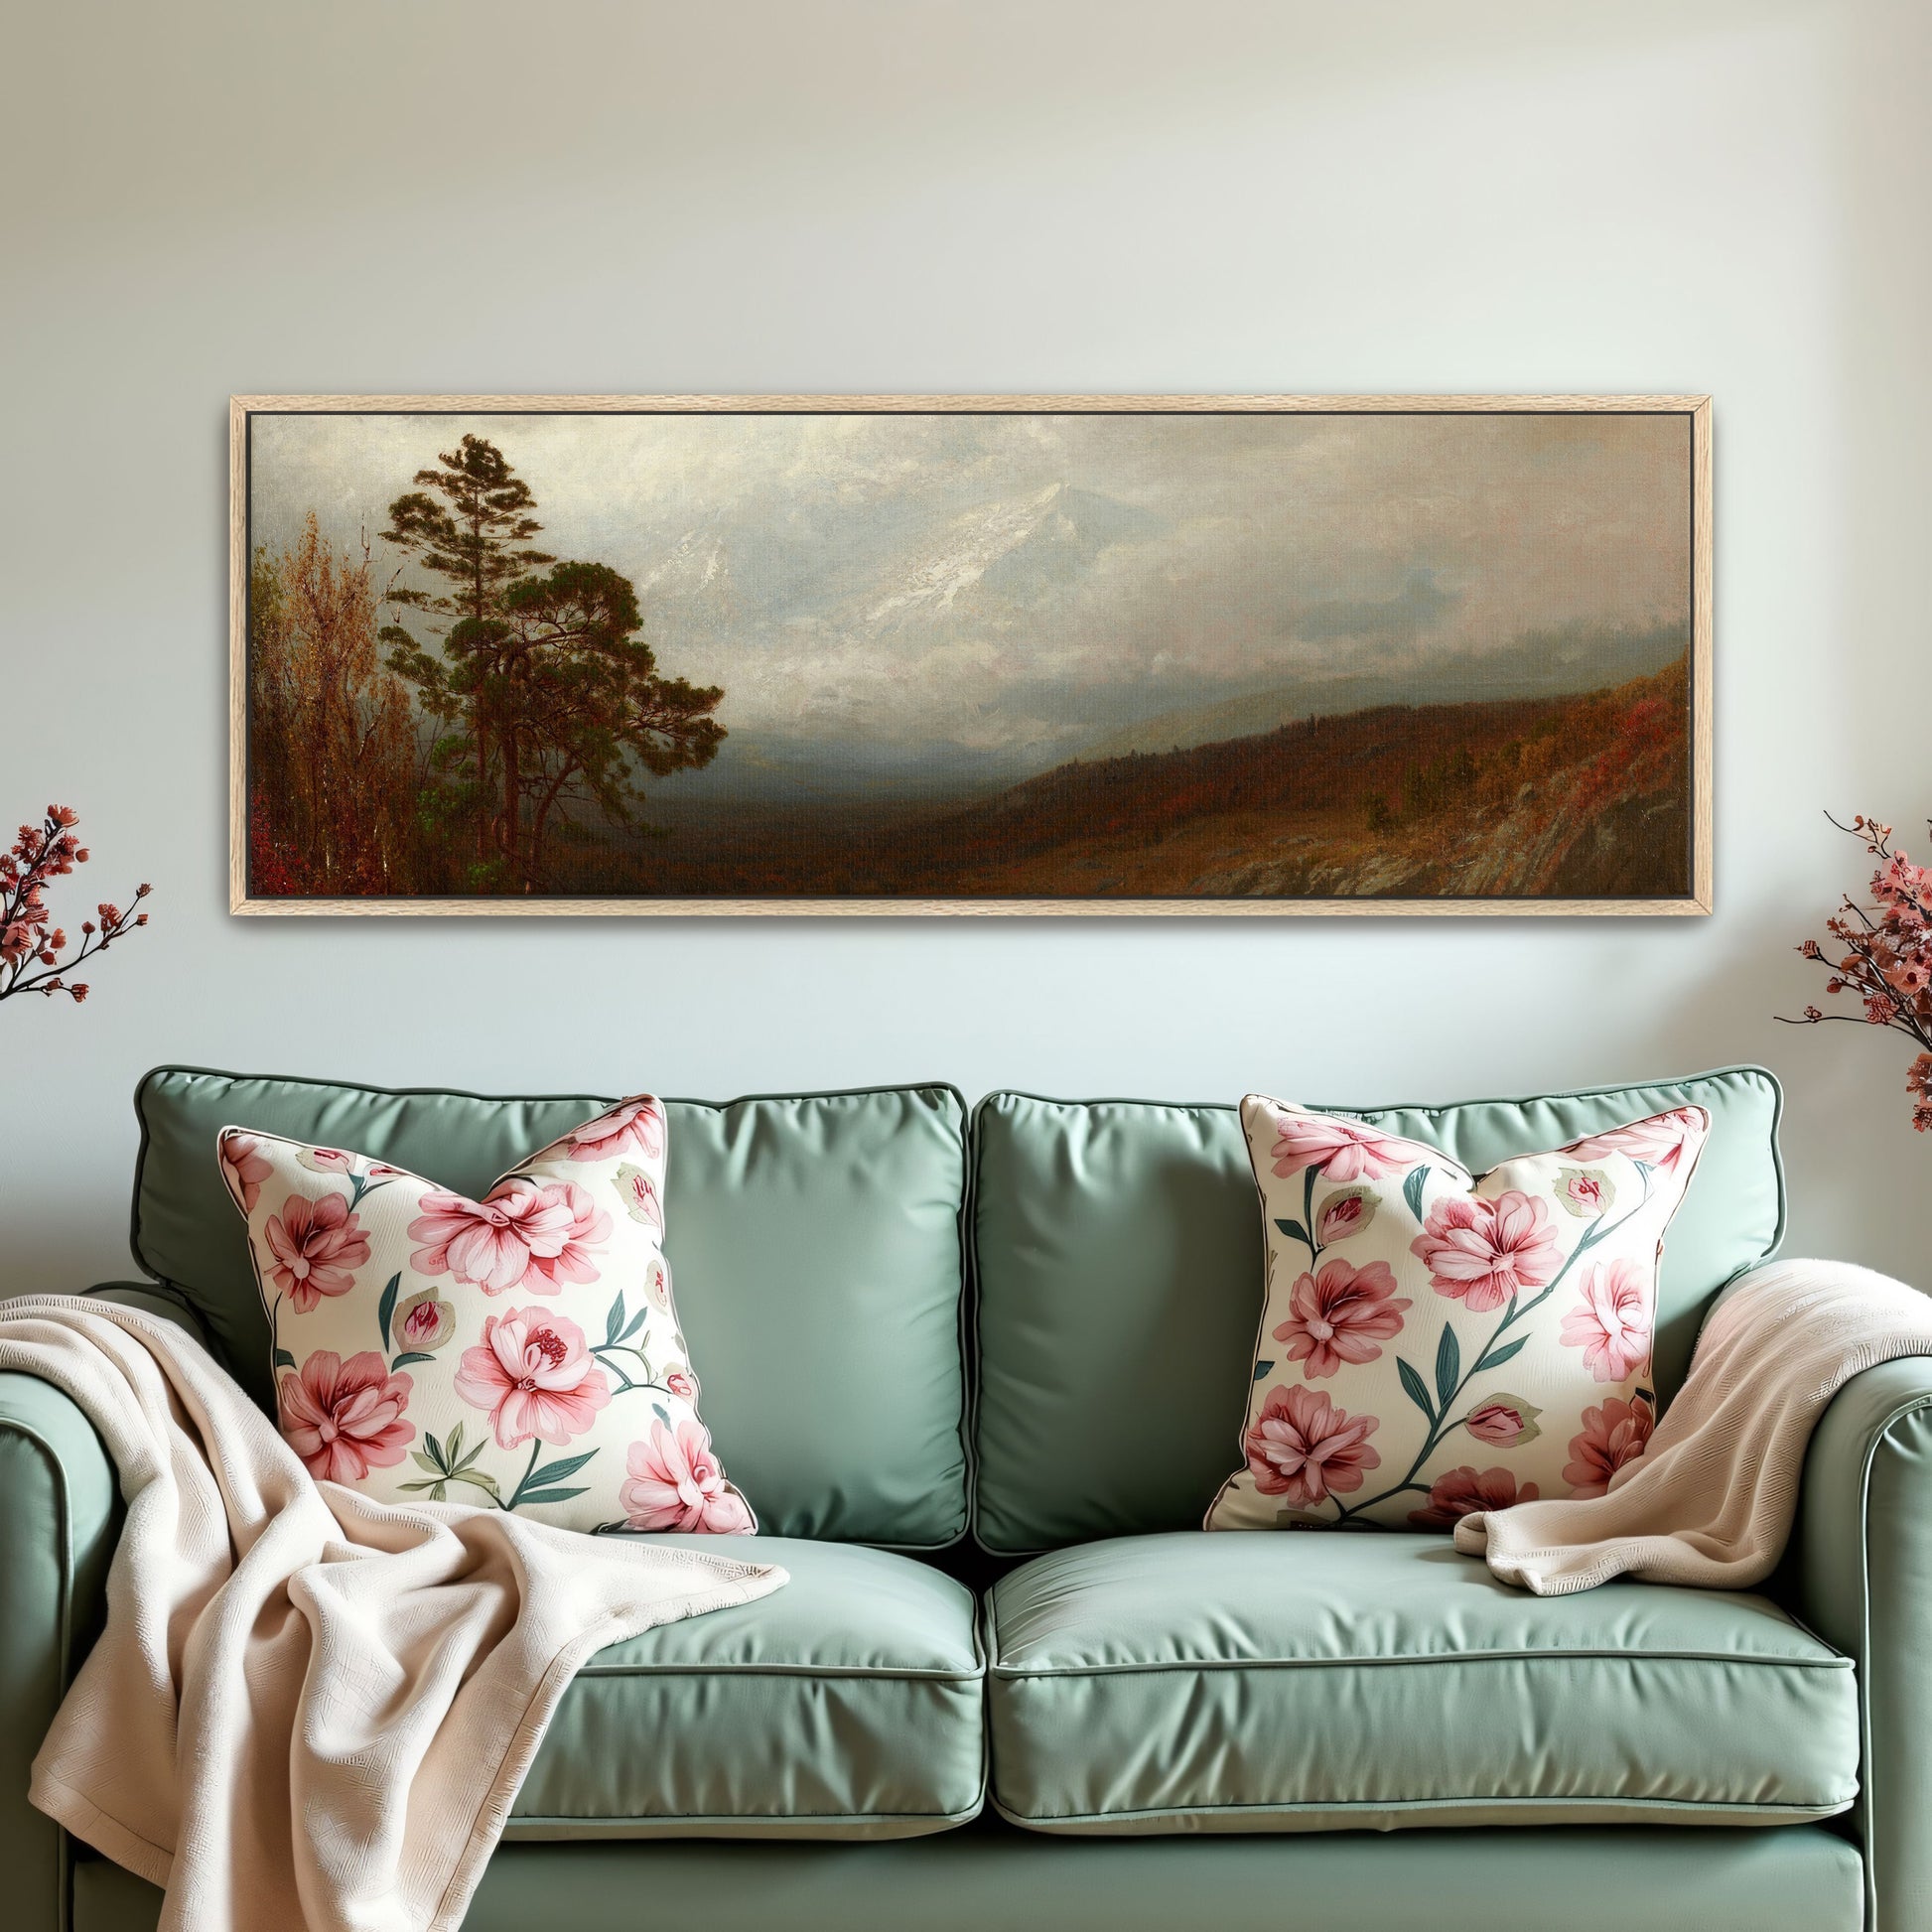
[685,657]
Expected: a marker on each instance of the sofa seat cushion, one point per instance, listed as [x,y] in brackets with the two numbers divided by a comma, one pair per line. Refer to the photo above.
[847,1705]
[1334,1680]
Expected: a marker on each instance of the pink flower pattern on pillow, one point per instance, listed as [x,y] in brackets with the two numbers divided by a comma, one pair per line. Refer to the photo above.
[1485,1251]
[1663,1141]
[345,1417]
[1343,1149]
[1462,1491]
[564,1249]
[483,1244]
[522,1235]
[1503,1422]
[658,1284]
[632,1123]
[1305,1448]
[675,1483]
[424,1322]
[317,1246]
[640,1195]
[1350,1212]
[1341,1314]
[1583,1191]
[1613,1436]
[244,1168]
[1611,1324]
[534,1375]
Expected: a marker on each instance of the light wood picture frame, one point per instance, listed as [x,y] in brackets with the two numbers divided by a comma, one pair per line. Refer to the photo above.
[1168,656]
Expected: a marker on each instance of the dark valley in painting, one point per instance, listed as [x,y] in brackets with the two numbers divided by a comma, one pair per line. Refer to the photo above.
[1195,656]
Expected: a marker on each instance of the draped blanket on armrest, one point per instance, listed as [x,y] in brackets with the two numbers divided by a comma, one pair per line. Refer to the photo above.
[309,1708]
[1711,1502]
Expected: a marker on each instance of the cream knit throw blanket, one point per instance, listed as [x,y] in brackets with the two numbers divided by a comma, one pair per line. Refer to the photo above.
[306,1708]
[1712,1500]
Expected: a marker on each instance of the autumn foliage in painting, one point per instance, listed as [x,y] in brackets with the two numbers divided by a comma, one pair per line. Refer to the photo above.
[1571,796]
[333,751]
[468,736]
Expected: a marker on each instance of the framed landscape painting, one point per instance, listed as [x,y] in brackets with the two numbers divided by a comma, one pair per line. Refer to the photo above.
[920,654]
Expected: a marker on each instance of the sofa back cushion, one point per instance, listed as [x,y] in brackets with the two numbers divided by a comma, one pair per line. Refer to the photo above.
[1119,1255]
[815,1237]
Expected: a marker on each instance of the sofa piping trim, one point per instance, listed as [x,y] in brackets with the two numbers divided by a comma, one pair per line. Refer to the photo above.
[886,1673]
[670,1823]
[1780,1814]
[1555,1654]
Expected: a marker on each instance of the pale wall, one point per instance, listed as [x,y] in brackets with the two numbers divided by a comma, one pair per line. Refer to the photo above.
[206,197]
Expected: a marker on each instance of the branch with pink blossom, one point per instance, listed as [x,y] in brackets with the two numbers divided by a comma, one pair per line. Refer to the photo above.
[30,944]
[1882,956]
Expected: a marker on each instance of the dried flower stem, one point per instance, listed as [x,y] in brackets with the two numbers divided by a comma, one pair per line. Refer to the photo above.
[1886,957]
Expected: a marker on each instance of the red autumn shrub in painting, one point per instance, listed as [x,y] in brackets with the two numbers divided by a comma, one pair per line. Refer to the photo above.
[331,743]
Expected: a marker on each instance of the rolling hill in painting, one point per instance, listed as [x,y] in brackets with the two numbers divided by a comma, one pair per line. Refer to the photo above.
[1584,796]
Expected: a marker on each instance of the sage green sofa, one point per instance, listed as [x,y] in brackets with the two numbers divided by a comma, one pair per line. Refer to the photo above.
[980,1373]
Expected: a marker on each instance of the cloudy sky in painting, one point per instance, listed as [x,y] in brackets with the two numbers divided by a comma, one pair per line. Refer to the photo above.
[1021,586]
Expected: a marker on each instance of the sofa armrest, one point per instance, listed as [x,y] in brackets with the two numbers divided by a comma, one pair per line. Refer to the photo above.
[1859,1572]
[59,1517]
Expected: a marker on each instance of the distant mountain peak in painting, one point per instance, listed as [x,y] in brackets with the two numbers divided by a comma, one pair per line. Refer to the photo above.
[1011,553]
[677,655]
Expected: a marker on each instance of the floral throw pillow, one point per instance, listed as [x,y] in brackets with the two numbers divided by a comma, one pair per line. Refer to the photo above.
[521,1352]
[1434,1343]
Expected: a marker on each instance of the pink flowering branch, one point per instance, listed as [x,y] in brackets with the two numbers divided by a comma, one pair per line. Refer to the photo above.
[1882,956]
[30,944]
